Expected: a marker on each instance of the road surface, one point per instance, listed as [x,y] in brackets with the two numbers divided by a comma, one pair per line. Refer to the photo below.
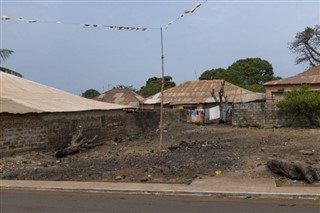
[65,202]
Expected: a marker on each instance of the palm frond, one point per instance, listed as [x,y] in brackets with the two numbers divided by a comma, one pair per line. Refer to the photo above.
[4,54]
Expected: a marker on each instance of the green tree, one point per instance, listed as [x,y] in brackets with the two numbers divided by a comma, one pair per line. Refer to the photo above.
[213,74]
[301,102]
[250,73]
[4,55]
[307,46]
[153,85]
[90,93]
[125,87]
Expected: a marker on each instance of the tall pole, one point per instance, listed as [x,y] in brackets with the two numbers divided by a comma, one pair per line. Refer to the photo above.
[162,85]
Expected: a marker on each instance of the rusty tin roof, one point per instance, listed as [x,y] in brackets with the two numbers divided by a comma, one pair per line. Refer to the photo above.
[204,91]
[310,76]
[122,96]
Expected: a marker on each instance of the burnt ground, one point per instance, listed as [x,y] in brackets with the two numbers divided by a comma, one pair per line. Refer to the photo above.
[189,151]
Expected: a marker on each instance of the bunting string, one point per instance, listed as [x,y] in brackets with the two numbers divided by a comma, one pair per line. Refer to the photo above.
[125,28]
[186,12]
[128,28]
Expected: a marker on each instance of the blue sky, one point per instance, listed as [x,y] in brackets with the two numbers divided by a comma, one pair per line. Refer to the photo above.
[218,33]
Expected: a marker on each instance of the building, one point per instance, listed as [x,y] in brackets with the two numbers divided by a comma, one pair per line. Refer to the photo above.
[275,89]
[20,96]
[123,96]
[34,115]
[201,94]
[201,97]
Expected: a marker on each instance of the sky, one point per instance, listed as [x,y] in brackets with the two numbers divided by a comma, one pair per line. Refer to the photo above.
[69,57]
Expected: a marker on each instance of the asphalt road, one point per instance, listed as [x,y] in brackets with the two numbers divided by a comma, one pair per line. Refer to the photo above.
[64,202]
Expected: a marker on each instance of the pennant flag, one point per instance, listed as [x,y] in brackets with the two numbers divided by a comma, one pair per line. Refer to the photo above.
[195,7]
[121,28]
[6,18]
[186,12]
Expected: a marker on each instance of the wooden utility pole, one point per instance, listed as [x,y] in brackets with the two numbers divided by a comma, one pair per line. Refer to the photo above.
[162,86]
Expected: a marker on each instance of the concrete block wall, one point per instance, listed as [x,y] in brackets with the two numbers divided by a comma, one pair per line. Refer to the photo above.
[54,130]
[264,114]
[19,134]
[248,114]
[61,126]
[173,116]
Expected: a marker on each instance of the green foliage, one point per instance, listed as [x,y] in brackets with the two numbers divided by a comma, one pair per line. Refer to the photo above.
[301,102]
[4,54]
[6,70]
[125,87]
[198,123]
[307,46]
[250,73]
[213,74]
[153,85]
[255,87]
[90,93]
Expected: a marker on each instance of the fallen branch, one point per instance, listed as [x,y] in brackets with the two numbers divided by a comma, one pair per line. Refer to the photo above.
[294,171]
[78,142]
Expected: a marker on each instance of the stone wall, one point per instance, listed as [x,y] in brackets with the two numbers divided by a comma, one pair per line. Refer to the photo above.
[265,115]
[54,130]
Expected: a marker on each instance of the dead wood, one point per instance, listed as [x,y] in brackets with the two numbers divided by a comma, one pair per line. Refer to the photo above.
[294,171]
[78,141]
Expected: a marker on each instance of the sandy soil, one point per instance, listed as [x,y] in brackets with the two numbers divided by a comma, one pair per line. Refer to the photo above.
[189,152]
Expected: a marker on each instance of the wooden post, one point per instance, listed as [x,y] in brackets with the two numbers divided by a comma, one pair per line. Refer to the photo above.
[162,86]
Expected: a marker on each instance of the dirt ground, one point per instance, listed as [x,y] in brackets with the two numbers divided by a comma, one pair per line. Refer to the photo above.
[189,152]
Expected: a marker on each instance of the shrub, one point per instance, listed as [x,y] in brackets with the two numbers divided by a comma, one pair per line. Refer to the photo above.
[301,102]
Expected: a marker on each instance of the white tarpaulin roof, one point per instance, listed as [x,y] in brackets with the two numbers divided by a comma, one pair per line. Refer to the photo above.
[18,95]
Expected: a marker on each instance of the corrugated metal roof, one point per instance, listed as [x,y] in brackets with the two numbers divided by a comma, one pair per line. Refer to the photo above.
[18,95]
[204,91]
[310,76]
[121,96]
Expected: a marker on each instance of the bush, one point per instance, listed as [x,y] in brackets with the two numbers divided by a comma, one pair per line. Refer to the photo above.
[301,102]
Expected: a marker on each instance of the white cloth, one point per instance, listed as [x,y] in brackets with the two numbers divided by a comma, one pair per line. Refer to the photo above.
[214,113]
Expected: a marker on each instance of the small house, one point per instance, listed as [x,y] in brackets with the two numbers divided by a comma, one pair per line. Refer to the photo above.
[123,96]
[275,89]
[33,115]
[201,98]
